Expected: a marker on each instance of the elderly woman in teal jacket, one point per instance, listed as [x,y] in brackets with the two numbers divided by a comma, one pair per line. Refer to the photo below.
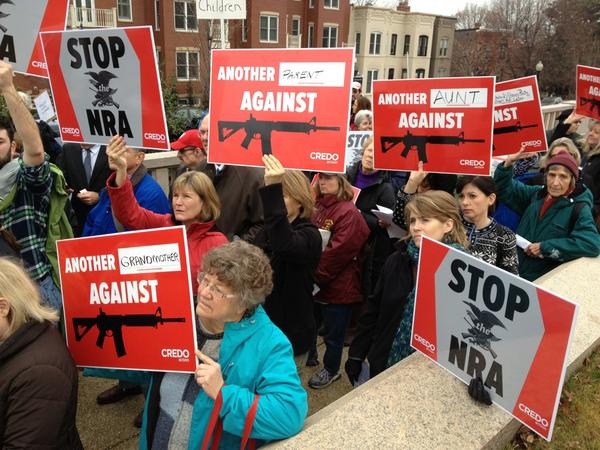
[556,218]
[245,362]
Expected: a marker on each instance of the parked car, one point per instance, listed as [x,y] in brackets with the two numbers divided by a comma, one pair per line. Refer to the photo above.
[192,115]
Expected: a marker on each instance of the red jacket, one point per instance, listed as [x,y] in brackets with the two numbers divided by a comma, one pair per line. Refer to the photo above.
[338,275]
[133,216]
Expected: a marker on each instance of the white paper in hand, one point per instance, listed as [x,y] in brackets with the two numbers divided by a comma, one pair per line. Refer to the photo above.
[386,215]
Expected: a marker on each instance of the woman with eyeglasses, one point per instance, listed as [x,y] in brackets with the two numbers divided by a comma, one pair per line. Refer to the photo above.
[195,205]
[246,377]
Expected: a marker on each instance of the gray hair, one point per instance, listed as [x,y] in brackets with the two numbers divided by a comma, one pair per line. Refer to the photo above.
[562,142]
[244,268]
[362,115]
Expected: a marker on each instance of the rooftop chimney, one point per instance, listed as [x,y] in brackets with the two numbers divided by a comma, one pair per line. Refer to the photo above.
[403,6]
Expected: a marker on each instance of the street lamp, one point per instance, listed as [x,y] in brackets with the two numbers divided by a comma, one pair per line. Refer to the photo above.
[538,68]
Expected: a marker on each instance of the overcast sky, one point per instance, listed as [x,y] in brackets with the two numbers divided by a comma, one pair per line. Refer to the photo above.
[443,7]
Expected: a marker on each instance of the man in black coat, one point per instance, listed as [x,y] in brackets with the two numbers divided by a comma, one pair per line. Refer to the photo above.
[86,170]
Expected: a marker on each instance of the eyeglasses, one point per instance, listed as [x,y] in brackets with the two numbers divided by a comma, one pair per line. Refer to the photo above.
[215,292]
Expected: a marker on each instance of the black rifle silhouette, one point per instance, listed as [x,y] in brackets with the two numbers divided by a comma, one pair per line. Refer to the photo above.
[420,143]
[512,128]
[594,103]
[264,128]
[114,324]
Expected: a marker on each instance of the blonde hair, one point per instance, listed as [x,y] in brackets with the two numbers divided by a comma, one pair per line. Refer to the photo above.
[562,142]
[201,185]
[296,185]
[586,147]
[344,193]
[441,206]
[23,297]
[368,141]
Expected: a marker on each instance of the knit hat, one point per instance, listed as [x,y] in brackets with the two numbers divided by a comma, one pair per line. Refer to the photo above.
[190,138]
[566,160]
[356,85]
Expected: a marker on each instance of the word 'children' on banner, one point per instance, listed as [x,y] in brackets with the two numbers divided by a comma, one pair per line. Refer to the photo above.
[475,319]
[21,21]
[588,92]
[294,104]
[445,123]
[105,82]
[128,302]
[518,119]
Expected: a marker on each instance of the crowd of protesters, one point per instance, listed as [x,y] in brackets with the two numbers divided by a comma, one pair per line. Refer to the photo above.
[274,262]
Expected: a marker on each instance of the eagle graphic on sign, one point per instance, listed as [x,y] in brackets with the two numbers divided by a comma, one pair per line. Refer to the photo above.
[100,81]
[480,328]
[3,14]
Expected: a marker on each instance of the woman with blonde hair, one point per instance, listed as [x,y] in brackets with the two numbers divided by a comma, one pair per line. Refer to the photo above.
[195,205]
[293,244]
[383,332]
[338,275]
[38,379]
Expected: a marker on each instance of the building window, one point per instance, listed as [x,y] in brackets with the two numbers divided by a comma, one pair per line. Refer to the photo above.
[244,30]
[185,16]
[311,35]
[187,65]
[295,26]
[330,36]
[420,73]
[124,10]
[404,74]
[444,47]
[372,75]
[375,44]
[393,44]
[311,3]
[390,74]
[268,28]
[357,43]
[331,4]
[406,44]
[157,14]
[423,42]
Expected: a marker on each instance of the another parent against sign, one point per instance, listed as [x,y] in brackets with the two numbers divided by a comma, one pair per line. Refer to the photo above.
[555,218]
[245,362]
[38,379]
[195,205]
[338,276]
[384,328]
[293,244]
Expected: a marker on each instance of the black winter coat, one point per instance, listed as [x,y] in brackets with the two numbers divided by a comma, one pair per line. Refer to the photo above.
[379,246]
[294,251]
[38,390]
[382,312]
[591,178]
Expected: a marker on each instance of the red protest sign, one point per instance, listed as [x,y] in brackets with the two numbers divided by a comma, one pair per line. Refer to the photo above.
[128,302]
[444,122]
[588,92]
[21,22]
[473,318]
[105,82]
[518,117]
[292,103]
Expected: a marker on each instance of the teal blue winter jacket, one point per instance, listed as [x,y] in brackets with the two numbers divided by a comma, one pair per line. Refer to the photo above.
[558,242]
[255,357]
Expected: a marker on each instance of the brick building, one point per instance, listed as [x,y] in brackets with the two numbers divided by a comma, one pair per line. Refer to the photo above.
[481,51]
[292,24]
[183,42]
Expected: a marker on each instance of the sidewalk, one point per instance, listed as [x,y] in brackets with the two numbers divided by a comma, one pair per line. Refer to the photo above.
[111,426]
